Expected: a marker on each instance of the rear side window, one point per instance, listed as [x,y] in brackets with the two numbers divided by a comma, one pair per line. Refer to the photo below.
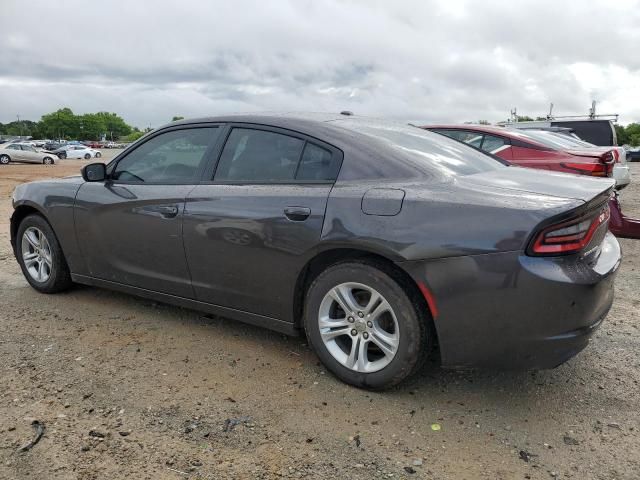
[317,164]
[491,143]
[260,156]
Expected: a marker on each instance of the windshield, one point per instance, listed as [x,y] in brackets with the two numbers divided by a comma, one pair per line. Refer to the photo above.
[426,150]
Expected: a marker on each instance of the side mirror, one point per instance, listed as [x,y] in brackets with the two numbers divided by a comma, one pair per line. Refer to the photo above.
[94,172]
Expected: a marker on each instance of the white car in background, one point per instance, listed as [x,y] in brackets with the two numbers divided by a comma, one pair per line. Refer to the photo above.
[81,151]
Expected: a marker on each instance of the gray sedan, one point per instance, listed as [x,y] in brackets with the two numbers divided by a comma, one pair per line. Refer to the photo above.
[20,152]
[377,240]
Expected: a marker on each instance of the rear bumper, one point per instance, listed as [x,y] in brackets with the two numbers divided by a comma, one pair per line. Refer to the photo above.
[621,175]
[619,225]
[508,310]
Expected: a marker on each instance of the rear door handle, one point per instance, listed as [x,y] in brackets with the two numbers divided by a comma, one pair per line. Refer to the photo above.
[297,214]
[167,211]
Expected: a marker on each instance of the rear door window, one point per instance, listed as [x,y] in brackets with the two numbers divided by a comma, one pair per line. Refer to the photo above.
[491,143]
[317,164]
[259,156]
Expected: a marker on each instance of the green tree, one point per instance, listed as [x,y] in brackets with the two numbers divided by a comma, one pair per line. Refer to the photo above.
[622,135]
[115,126]
[524,118]
[133,136]
[92,126]
[60,124]
[176,118]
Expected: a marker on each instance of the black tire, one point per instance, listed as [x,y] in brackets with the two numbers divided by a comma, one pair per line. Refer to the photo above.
[414,322]
[87,156]
[59,278]
[98,154]
[5,159]
[62,155]
[48,161]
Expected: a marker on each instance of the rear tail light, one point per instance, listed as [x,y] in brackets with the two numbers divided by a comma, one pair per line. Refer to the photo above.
[569,236]
[616,156]
[604,167]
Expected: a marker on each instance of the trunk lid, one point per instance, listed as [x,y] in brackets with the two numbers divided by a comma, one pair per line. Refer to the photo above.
[556,184]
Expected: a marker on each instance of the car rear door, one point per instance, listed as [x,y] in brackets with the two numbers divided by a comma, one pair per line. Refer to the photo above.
[15,152]
[253,223]
[29,154]
[130,227]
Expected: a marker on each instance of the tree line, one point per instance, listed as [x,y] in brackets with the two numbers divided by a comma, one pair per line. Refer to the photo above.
[629,135]
[64,124]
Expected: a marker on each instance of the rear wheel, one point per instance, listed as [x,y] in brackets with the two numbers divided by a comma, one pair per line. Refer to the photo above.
[40,256]
[98,154]
[87,156]
[47,161]
[364,326]
[4,159]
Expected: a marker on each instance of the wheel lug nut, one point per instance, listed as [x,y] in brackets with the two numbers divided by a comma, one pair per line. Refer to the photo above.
[360,314]
[354,332]
[351,319]
[369,324]
[365,335]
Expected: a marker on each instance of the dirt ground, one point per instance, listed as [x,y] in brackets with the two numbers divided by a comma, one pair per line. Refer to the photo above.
[128,388]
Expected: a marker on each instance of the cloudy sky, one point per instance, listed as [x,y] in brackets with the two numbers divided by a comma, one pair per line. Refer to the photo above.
[412,60]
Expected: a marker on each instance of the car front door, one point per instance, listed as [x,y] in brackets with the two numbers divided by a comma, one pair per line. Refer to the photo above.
[250,229]
[16,153]
[130,227]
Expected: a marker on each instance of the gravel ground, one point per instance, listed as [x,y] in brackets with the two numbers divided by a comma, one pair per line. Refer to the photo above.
[128,388]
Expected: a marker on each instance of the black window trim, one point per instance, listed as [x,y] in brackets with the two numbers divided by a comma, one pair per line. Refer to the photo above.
[208,154]
[209,173]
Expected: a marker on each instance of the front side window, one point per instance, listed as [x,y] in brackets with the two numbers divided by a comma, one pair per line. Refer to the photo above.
[13,147]
[259,156]
[171,157]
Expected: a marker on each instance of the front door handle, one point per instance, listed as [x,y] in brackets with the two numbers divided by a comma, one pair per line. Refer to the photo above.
[297,214]
[167,211]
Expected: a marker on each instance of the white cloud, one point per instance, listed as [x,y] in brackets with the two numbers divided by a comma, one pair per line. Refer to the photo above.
[421,60]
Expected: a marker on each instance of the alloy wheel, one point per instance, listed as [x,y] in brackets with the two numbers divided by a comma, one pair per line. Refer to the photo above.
[36,254]
[358,327]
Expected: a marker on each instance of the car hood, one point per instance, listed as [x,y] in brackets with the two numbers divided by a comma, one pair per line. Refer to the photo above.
[556,184]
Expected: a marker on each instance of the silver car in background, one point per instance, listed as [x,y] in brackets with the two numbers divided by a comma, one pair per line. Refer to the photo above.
[21,152]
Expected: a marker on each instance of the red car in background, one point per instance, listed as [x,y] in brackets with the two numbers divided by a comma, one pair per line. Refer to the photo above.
[533,149]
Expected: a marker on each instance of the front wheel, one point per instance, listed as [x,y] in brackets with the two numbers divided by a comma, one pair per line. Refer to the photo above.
[40,256]
[98,154]
[362,323]
[4,159]
[87,156]
[47,161]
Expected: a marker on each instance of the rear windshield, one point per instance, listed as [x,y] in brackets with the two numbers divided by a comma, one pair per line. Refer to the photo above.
[427,150]
[554,140]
